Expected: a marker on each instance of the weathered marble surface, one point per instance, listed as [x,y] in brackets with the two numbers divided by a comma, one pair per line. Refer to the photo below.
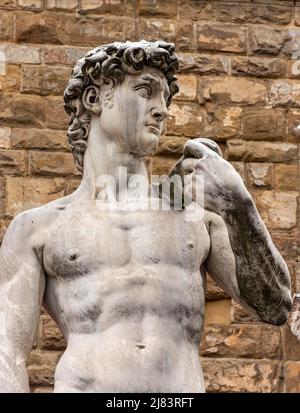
[128,298]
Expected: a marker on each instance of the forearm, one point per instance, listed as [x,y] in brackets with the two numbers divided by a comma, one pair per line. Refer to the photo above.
[13,373]
[261,272]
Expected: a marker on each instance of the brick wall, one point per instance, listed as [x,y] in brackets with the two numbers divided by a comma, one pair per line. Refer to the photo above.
[239,85]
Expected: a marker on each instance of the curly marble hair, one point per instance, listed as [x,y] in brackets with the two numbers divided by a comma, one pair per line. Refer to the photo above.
[112,62]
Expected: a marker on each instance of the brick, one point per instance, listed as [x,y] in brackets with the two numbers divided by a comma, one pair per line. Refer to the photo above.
[293,119]
[241,341]
[116,7]
[196,10]
[237,150]
[13,162]
[157,8]
[60,55]
[258,66]
[187,87]
[254,13]
[10,80]
[34,5]
[38,139]
[51,163]
[266,40]
[156,29]
[21,53]
[41,367]
[241,375]
[62,5]
[220,37]
[284,93]
[264,124]
[44,80]
[26,193]
[286,177]
[6,25]
[71,29]
[17,110]
[232,90]
[56,117]
[260,175]
[5,134]
[218,312]
[203,64]
[185,119]
[278,209]
[222,123]
[51,338]
[292,376]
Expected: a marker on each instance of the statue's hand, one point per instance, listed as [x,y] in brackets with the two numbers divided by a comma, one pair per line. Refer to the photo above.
[221,185]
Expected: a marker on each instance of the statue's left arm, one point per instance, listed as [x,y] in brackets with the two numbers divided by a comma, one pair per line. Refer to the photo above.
[243,259]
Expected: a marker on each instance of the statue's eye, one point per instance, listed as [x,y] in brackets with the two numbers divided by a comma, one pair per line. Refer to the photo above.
[144,90]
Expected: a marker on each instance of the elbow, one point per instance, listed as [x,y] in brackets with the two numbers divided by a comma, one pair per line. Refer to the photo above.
[280,312]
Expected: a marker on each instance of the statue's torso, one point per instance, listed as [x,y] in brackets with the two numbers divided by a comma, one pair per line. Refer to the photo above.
[126,290]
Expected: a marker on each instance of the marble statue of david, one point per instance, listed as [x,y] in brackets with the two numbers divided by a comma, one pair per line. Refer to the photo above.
[126,286]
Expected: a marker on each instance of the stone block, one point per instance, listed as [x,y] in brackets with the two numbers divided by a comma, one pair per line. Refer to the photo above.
[19,110]
[287,243]
[196,10]
[291,344]
[258,66]
[2,196]
[260,175]
[293,120]
[117,7]
[254,13]
[286,177]
[7,4]
[185,36]
[41,367]
[5,136]
[284,93]
[241,315]
[220,37]
[161,165]
[6,25]
[241,375]
[56,117]
[256,341]
[26,193]
[222,123]
[232,90]
[292,376]
[171,145]
[51,164]
[238,150]
[213,291]
[63,55]
[267,40]
[34,5]
[38,139]
[156,29]
[158,8]
[13,162]
[10,80]
[21,53]
[44,80]
[204,64]
[62,5]
[185,119]
[218,312]
[264,124]
[278,209]
[71,185]
[51,337]
[187,87]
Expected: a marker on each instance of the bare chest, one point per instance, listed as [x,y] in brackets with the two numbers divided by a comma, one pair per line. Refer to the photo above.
[82,241]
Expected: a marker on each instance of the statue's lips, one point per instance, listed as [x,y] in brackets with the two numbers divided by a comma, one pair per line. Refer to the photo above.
[154,129]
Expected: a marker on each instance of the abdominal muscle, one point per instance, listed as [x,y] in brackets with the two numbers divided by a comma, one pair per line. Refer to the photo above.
[113,361]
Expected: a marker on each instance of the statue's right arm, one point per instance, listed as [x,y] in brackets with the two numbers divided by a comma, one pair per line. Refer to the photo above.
[22,285]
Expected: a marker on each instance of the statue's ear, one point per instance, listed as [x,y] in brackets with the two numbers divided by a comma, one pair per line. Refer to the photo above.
[91,99]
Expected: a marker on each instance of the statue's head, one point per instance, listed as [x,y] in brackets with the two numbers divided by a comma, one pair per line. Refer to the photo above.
[125,89]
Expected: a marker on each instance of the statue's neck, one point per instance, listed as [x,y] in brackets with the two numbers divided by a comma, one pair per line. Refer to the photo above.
[107,164]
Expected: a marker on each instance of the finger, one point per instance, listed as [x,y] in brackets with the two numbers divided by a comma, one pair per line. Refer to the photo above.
[196,149]
[211,144]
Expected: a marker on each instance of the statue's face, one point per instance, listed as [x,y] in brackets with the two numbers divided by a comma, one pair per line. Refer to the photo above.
[138,110]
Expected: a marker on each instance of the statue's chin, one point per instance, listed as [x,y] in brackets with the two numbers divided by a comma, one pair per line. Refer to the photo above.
[147,145]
